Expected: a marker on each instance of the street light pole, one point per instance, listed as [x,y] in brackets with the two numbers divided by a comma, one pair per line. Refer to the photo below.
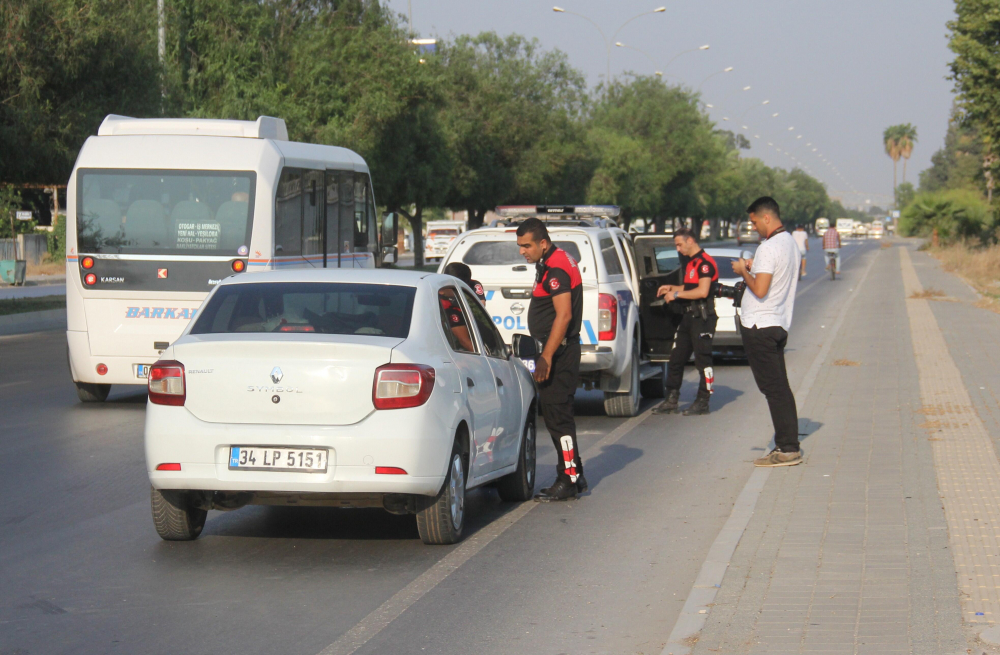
[724,70]
[684,52]
[607,41]
[619,44]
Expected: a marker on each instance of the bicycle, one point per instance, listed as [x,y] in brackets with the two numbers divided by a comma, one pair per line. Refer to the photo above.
[831,264]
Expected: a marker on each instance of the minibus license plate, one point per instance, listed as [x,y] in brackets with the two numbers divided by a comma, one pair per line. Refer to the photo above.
[142,371]
[260,458]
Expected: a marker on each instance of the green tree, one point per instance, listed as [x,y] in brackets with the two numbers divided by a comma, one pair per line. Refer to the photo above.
[975,40]
[905,194]
[511,116]
[907,139]
[65,65]
[890,140]
[955,214]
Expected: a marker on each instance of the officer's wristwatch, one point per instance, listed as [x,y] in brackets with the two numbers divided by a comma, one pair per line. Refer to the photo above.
[676,294]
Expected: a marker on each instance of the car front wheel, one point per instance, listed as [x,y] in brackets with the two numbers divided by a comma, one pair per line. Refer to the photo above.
[440,520]
[518,486]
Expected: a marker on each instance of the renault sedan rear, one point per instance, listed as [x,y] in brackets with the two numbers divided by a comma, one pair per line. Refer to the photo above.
[337,387]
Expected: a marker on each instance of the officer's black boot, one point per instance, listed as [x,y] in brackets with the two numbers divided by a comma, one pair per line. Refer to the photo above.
[563,489]
[699,406]
[581,484]
[669,405]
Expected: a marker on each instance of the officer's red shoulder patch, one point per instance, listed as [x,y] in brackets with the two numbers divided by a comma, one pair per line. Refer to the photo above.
[553,283]
[704,268]
[479,290]
[454,318]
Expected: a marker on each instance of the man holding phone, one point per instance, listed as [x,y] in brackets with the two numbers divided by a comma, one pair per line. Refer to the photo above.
[771,278]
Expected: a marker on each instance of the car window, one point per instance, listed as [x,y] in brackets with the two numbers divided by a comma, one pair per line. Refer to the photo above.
[321,307]
[611,262]
[506,253]
[455,322]
[492,341]
[667,259]
[725,265]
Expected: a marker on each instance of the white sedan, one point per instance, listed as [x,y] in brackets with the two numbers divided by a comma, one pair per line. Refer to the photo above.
[338,387]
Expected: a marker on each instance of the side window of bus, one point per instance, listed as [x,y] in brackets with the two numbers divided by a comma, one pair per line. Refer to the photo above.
[611,262]
[288,214]
[312,213]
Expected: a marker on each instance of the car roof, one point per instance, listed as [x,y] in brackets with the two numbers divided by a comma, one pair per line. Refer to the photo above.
[369,275]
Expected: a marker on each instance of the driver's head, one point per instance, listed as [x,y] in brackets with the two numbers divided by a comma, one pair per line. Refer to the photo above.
[686,242]
[533,240]
[765,215]
[459,270]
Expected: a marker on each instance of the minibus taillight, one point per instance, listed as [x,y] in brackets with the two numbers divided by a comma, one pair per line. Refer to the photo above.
[239,266]
[166,383]
[398,386]
[607,317]
[87,262]
[90,279]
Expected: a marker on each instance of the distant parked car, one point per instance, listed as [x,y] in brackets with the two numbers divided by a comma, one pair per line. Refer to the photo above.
[746,233]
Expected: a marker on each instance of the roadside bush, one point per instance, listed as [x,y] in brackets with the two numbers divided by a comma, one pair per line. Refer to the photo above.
[57,240]
[956,214]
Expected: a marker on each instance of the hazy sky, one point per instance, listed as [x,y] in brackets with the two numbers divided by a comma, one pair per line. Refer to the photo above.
[838,71]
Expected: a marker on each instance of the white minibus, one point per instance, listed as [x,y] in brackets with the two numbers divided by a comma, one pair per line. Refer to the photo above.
[160,210]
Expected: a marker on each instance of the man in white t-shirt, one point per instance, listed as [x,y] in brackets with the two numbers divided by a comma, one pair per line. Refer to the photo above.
[771,278]
[802,241]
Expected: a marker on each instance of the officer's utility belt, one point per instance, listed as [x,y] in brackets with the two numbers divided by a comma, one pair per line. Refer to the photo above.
[566,341]
[701,309]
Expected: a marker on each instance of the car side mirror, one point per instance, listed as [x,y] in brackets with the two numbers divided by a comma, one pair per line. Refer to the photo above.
[525,346]
[390,254]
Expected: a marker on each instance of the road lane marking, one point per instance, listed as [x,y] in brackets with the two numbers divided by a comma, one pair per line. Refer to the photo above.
[387,612]
[699,602]
[965,462]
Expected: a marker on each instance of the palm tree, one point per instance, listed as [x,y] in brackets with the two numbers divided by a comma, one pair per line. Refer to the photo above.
[907,138]
[890,139]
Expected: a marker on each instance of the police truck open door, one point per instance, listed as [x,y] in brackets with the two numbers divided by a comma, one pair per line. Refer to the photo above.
[658,263]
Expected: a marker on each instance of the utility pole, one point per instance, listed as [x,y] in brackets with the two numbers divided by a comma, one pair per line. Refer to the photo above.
[161,30]
[409,11]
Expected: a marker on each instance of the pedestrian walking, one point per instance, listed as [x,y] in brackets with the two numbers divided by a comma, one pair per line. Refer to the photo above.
[697,327]
[766,316]
[554,318]
[802,241]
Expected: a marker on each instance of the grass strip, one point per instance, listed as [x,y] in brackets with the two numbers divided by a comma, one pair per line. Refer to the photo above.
[23,305]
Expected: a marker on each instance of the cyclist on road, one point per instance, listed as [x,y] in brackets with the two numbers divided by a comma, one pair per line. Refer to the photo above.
[831,244]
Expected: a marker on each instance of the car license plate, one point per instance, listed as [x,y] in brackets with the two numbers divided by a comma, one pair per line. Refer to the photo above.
[265,458]
[142,371]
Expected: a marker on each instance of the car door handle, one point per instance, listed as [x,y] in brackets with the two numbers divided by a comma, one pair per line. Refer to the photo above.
[469,382]
[499,382]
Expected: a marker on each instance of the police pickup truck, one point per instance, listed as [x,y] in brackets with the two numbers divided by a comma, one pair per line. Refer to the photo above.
[617,355]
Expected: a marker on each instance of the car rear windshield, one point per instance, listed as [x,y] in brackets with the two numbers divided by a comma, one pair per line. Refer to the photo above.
[506,253]
[320,307]
[151,212]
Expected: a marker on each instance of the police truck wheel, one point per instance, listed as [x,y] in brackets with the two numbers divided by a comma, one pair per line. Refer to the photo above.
[520,485]
[92,393]
[441,519]
[653,387]
[625,404]
[174,517]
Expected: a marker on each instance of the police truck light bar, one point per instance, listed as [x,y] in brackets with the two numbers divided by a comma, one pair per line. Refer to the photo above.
[610,211]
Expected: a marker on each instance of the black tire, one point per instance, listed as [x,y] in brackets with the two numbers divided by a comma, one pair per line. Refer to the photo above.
[519,486]
[174,517]
[92,393]
[441,519]
[654,387]
[625,404]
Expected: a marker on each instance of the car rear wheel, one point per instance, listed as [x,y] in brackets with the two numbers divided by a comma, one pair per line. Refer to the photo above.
[174,516]
[441,520]
[626,404]
[92,393]
[518,486]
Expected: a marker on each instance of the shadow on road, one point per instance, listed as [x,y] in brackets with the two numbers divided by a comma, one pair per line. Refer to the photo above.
[609,461]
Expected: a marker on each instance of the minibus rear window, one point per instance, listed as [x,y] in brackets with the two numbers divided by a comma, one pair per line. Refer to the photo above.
[177,212]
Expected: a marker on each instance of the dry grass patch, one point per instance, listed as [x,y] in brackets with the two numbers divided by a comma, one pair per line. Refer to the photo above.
[48,268]
[846,362]
[930,293]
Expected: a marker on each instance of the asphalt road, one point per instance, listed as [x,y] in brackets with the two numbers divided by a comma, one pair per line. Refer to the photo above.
[83,571]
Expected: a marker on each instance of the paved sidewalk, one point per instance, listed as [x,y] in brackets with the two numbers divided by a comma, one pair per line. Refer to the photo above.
[850,552]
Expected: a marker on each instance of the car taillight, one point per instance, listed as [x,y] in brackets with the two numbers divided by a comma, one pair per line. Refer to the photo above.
[168,467]
[402,385]
[607,317]
[166,383]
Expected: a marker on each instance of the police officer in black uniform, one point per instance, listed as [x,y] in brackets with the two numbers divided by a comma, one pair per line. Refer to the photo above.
[554,318]
[464,273]
[697,327]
